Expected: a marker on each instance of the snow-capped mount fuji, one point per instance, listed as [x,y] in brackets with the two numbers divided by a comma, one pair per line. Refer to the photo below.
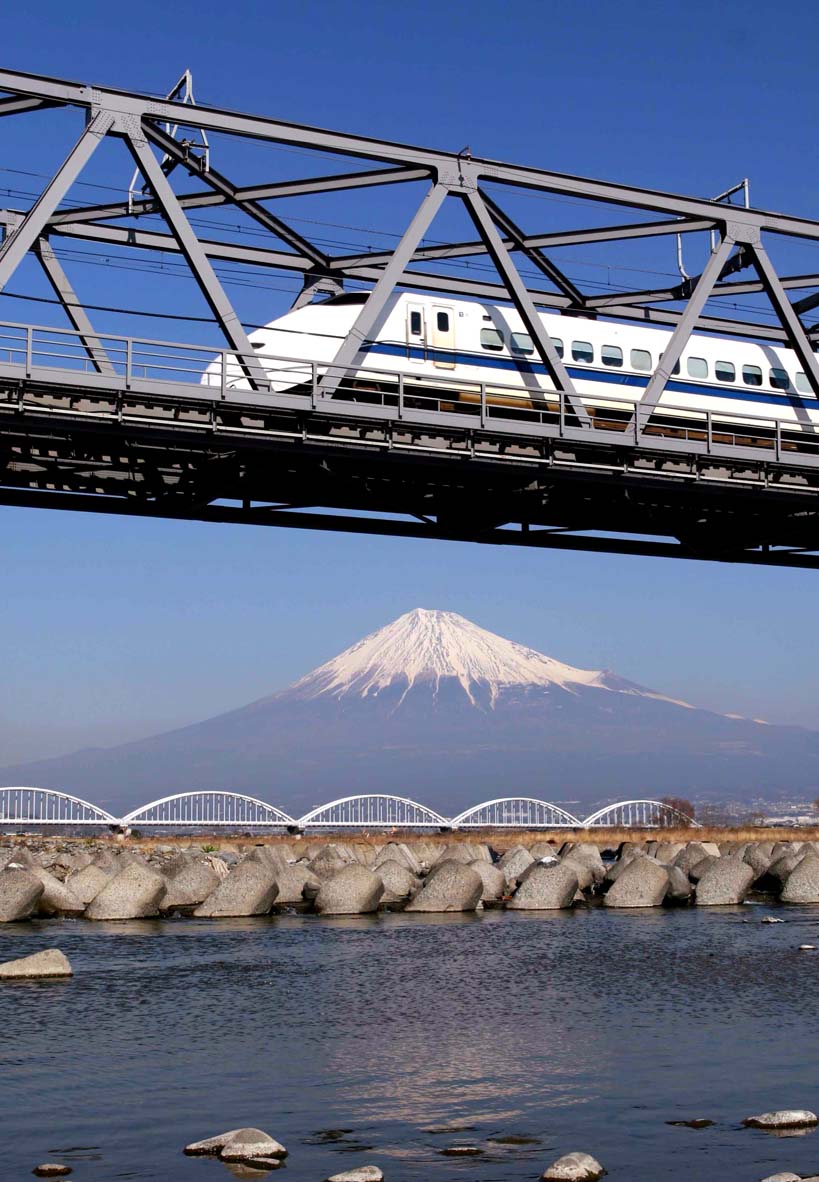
[426,648]
[434,707]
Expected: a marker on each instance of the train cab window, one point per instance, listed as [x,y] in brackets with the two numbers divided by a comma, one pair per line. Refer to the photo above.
[558,345]
[522,343]
[641,359]
[612,355]
[442,321]
[697,367]
[780,379]
[491,339]
[725,371]
[415,324]
[802,383]
[583,351]
[752,375]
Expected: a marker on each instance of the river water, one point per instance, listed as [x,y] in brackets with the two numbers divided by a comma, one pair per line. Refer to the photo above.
[588,1030]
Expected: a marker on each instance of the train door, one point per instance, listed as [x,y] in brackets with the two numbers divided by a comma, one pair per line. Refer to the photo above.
[416,333]
[443,336]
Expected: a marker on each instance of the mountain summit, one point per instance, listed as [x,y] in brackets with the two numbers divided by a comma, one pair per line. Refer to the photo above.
[436,708]
[428,647]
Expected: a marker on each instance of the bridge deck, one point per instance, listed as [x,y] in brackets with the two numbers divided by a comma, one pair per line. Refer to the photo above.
[385,455]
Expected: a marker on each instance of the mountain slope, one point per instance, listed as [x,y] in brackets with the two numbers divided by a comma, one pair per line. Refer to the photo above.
[434,707]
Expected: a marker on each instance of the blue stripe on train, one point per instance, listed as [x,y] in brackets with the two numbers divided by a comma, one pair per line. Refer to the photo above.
[610,377]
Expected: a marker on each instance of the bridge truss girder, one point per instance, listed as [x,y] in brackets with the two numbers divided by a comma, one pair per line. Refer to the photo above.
[568,502]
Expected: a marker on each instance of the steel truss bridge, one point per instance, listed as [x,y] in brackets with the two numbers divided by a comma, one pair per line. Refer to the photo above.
[122,424]
[379,812]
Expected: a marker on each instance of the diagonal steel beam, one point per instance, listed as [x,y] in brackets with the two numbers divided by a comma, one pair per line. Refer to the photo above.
[229,191]
[73,308]
[17,245]
[797,337]
[687,323]
[523,301]
[198,261]
[371,315]
[16,106]
[518,240]
[276,189]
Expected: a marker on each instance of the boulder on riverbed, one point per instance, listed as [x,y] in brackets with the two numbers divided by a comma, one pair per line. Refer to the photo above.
[20,891]
[642,883]
[358,1174]
[238,1145]
[785,1118]
[135,893]
[727,881]
[249,889]
[454,887]
[48,963]
[574,1167]
[354,890]
[546,888]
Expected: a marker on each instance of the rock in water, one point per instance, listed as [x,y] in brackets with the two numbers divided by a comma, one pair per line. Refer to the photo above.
[785,1118]
[642,883]
[135,893]
[52,1169]
[238,1145]
[787,1176]
[249,889]
[49,963]
[454,888]
[802,884]
[191,884]
[359,1174]
[727,881]
[20,891]
[355,890]
[574,1167]
[494,883]
[546,888]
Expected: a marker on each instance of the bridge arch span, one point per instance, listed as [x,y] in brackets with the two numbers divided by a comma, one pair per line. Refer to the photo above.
[649,814]
[211,807]
[516,812]
[375,811]
[49,806]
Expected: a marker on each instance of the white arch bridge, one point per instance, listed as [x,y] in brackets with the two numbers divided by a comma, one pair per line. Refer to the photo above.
[217,809]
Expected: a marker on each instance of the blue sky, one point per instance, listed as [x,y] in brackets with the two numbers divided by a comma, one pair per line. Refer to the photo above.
[112,629]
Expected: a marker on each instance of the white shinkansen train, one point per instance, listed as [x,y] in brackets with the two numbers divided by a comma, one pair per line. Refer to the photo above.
[455,345]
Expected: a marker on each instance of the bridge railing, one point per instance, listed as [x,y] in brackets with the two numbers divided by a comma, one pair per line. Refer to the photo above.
[172,368]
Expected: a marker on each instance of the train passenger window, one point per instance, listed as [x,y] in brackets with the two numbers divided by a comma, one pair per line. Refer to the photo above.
[802,383]
[611,355]
[415,324]
[558,344]
[725,371]
[697,367]
[522,343]
[491,338]
[676,368]
[752,375]
[780,379]
[583,351]
[640,359]
[442,321]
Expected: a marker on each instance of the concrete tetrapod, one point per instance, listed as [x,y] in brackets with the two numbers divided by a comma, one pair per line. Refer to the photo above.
[191,882]
[494,883]
[249,889]
[802,884]
[57,898]
[48,963]
[135,893]
[454,887]
[642,883]
[20,891]
[292,880]
[514,862]
[354,890]
[87,882]
[546,888]
[399,882]
[727,881]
